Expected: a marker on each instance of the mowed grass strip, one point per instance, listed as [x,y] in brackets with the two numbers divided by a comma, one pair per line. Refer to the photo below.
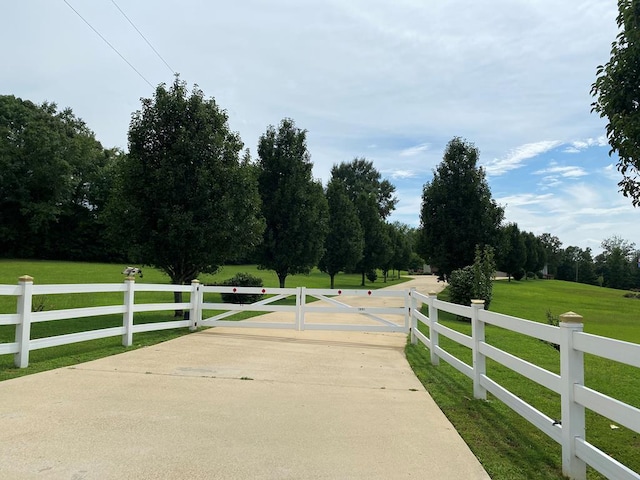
[506,444]
[57,272]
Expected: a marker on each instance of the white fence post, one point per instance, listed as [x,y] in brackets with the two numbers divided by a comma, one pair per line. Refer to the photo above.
[434,337]
[301,301]
[412,312]
[407,311]
[23,328]
[479,360]
[571,373]
[195,314]
[127,316]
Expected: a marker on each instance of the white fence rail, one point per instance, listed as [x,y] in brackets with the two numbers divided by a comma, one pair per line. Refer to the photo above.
[575,397]
[197,309]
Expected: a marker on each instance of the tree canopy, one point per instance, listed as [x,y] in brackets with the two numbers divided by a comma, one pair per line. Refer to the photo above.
[360,178]
[53,177]
[374,201]
[294,205]
[618,97]
[345,241]
[458,212]
[513,250]
[184,201]
[618,263]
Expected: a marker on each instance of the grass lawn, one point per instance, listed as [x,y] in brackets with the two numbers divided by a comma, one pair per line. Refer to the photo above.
[507,445]
[52,272]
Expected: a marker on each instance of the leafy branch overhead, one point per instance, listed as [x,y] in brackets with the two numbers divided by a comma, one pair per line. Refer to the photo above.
[617,97]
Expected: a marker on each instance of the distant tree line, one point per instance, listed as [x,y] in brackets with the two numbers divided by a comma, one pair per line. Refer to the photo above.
[186,198]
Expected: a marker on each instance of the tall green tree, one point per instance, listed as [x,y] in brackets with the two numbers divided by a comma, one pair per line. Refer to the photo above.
[374,200]
[513,254]
[617,263]
[51,167]
[618,97]
[552,247]
[361,178]
[458,212]
[400,235]
[577,265]
[345,241]
[376,237]
[294,205]
[184,201]
[536,256]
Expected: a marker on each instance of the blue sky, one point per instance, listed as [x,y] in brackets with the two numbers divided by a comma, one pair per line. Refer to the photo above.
[389,81]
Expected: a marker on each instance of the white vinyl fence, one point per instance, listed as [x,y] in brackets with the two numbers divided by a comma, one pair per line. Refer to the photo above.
[196,307]
[569,432]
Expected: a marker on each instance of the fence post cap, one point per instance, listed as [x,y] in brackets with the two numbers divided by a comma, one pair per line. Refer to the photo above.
[130,279]
[432,294]
[25,278]
[195,281]
[571,317]
[477,302]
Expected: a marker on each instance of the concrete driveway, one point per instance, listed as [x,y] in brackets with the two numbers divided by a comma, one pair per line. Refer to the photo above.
[234,404]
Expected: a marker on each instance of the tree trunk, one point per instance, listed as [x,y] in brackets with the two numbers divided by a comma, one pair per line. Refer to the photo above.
[177,298]
[281,278]
[332,276]
[362,284]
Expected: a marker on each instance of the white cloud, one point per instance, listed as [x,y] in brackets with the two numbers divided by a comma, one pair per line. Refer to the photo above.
[581,145]
[525,199]
[416,150]
[550,181]
[566,172]
[611,172]
[580,214]
[572,149]
[516,157]
[402,174]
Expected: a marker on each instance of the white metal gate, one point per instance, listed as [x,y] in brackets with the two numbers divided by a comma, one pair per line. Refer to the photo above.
[311,309]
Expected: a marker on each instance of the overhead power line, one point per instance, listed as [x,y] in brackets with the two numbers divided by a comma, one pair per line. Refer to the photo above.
[144,38]
[107,42]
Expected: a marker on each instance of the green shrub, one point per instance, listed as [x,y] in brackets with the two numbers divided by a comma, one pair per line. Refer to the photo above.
[242,280]
[474,281]
[531,275]
[554,321]
[372,276]
[518,274]
[461,286]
